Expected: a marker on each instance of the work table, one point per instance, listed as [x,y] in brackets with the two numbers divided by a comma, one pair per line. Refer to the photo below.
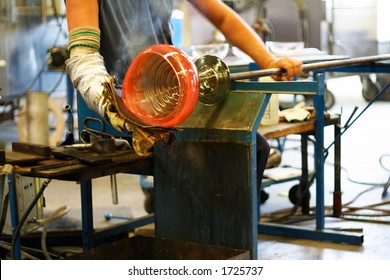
[60,164]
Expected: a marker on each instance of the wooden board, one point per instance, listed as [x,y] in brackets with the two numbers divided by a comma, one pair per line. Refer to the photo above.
[13,158]
[86,156]
[35,149]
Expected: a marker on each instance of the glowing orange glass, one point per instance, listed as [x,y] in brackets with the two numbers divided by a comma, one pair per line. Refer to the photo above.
[161,86]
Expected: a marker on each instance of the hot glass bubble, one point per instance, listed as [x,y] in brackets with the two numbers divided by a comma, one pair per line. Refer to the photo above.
[161,86]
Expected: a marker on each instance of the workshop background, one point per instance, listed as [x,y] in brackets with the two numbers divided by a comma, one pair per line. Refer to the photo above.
[33,39]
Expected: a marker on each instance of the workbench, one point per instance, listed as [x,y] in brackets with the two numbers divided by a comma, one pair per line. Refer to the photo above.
[205,182]
[80,170]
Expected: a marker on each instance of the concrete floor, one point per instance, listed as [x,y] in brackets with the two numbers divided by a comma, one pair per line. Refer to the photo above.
[362,147]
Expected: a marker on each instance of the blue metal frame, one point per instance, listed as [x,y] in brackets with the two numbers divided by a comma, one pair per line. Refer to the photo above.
[319,233]
[90,236]
[316,89]
[319,104]
[14,214]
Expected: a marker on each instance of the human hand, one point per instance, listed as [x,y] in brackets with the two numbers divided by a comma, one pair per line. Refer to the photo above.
[292,68]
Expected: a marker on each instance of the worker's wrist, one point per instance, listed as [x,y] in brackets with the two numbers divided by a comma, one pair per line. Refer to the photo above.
[83,40]
[271,63]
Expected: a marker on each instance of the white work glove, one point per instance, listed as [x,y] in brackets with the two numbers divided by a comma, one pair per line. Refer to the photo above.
[88,73]
[86,66]
[297,113]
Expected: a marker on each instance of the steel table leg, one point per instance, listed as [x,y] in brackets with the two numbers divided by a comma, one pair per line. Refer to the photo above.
[87,214]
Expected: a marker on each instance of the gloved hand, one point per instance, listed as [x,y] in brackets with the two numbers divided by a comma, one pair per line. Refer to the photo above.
[87,72]
[86,67]
[291,66]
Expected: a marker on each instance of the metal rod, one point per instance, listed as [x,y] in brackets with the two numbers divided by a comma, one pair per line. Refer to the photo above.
[309,67]
[114,189]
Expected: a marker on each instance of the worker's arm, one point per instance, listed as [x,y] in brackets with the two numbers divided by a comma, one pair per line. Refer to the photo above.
[240,34]
[83,26]
[82,13]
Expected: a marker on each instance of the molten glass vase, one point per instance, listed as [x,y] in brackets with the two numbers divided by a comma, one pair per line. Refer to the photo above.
[161,86]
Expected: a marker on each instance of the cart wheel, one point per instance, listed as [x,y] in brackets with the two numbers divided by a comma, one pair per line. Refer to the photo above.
[149,200]
[329,99]
[295,193]
[263,196]
[370,88]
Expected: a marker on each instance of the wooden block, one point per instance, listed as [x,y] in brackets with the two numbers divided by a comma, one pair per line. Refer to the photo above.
[28,148]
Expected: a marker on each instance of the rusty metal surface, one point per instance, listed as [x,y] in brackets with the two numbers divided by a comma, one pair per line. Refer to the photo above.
[238,113]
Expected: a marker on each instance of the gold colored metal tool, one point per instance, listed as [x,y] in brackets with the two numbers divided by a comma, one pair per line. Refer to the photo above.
[214,79]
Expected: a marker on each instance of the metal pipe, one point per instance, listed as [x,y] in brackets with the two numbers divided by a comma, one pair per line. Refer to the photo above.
[309,67]
[114,189]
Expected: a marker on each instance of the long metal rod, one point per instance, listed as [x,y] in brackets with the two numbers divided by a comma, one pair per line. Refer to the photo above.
[309,67]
